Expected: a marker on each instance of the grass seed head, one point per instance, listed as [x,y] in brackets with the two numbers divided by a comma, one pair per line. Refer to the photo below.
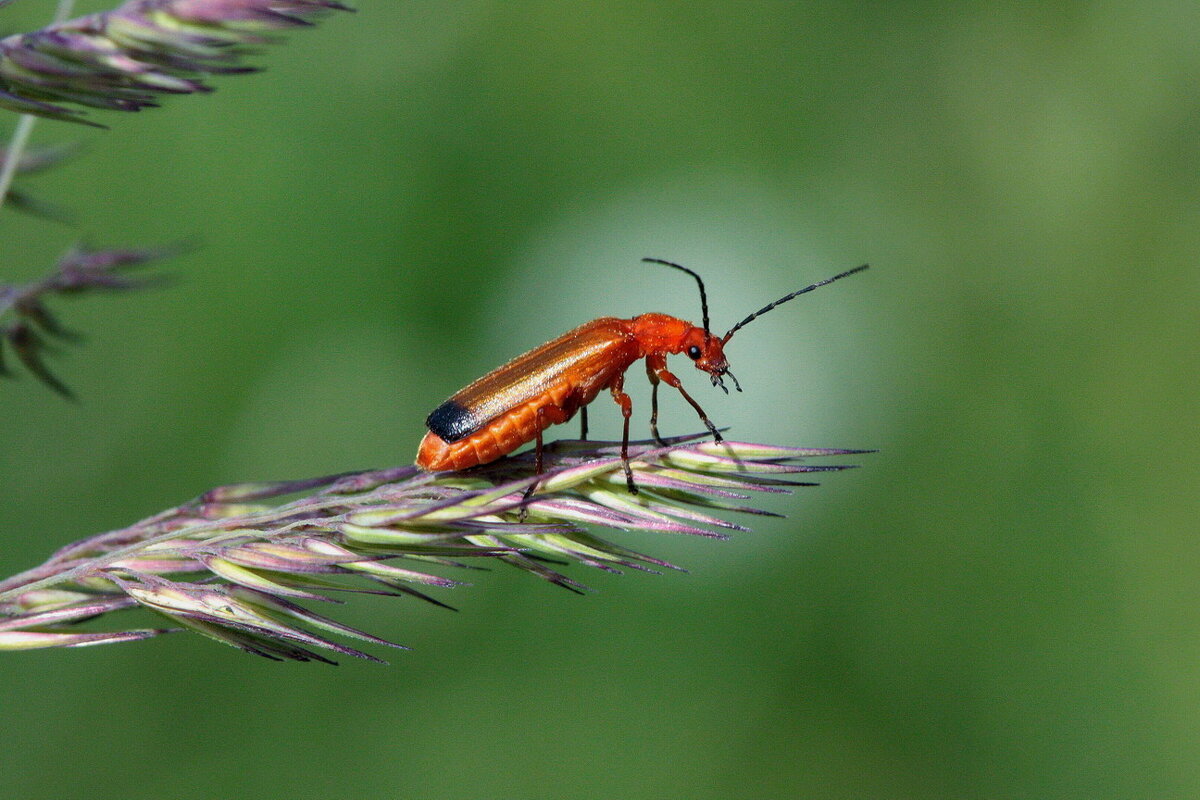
[237,571]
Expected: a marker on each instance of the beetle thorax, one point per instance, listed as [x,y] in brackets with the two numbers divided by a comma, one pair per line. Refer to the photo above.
[660,333]
[663,334]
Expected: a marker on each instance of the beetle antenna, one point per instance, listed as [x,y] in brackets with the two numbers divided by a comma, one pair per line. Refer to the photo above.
[787,297]
[703,297]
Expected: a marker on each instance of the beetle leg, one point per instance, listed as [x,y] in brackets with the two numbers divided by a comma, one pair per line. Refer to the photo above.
[651,366]
[669,378]
[626,405]
[583,423]
[537,469]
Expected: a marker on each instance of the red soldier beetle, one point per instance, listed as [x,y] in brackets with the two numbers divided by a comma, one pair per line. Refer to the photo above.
[513,404]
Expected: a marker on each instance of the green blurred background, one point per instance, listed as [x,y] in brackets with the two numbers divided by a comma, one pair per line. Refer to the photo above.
[1003,602]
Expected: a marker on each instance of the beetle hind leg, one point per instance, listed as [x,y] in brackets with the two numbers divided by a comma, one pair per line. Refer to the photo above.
[618,393]
[537,468]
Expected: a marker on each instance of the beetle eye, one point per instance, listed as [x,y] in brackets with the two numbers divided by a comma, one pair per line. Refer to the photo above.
[693,352]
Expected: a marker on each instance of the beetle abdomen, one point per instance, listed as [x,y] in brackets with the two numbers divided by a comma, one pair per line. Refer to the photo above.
[500,437]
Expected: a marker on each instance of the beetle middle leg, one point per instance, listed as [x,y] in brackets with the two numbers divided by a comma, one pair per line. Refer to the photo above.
[618,393]
[650,374]
[583,423]
[666,376]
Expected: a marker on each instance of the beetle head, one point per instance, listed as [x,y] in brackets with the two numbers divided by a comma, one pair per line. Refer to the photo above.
[708,352]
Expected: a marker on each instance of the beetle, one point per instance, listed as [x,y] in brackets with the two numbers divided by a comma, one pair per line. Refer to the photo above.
[513,404]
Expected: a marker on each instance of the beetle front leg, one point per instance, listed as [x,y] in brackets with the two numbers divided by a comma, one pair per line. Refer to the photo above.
[626,405]
[583,423]
[668,377]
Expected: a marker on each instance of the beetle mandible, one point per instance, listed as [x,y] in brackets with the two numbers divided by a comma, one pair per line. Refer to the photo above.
[513,404]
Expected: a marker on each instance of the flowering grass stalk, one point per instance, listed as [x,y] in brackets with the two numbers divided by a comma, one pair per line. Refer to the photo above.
[238,563]
[27,324]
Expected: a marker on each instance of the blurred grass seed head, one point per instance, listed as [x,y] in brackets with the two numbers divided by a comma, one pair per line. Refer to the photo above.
[127,58]
[27,325]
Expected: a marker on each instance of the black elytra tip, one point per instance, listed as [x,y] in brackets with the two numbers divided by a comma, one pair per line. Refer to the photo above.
[452,422]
